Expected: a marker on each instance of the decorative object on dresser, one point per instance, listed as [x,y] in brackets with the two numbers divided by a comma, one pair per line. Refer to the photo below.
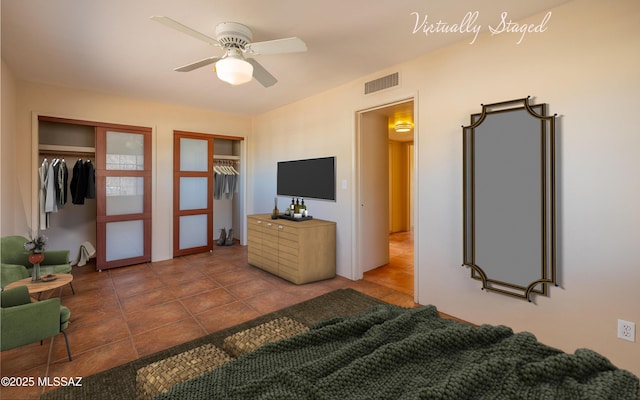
[275,213]
[300,252]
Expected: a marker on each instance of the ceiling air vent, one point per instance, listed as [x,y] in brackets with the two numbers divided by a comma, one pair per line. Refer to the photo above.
[381,83]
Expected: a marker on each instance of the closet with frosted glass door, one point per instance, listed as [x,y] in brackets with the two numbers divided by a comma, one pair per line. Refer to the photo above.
[116,218]
[206,194]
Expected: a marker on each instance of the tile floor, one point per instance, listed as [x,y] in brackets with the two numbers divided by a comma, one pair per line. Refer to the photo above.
[122,314]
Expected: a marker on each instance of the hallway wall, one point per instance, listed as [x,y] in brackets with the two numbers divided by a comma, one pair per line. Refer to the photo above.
[400,194]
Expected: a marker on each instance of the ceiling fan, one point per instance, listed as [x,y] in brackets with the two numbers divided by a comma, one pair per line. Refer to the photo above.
[236,40]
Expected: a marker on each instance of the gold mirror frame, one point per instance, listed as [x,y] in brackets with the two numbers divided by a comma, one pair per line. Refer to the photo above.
[509,213]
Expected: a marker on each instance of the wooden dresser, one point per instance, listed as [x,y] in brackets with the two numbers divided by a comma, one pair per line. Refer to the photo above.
[299,252]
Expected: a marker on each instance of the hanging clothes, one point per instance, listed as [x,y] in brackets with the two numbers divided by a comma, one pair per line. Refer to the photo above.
[219,182]
[78,183]
[52,195]
[50,204]
[42,194]
[232,182]
[225,181]
[90,176]
[62,180]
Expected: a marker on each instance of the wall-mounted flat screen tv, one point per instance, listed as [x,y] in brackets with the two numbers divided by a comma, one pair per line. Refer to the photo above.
[311,178]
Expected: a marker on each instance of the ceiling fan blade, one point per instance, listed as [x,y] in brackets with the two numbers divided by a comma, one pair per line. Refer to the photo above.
[261,75]
[197,64]
[185,29]
[288,45]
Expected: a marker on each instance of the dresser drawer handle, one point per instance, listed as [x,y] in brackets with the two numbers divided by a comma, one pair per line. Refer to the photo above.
[280,227]
[259,222]
[269,224]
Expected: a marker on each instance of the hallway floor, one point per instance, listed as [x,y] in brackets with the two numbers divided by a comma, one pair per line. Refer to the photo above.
[398,273]
[122,314]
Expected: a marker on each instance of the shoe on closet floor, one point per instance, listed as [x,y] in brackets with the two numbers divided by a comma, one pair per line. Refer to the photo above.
[223,237]
[229,240]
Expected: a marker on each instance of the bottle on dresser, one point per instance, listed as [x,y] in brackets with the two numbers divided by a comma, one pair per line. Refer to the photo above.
[291,207]
[296,209]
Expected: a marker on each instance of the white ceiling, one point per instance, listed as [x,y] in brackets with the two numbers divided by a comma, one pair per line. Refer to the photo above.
[112,46]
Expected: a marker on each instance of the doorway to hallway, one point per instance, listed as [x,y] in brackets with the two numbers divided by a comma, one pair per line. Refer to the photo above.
[385,215]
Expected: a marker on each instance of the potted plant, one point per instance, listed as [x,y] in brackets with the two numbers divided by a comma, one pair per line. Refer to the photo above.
[35,246]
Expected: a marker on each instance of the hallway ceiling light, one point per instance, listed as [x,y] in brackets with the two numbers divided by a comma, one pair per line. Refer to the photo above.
[402,127]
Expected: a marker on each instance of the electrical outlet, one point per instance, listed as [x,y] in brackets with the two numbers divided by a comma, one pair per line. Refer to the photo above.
[626,330]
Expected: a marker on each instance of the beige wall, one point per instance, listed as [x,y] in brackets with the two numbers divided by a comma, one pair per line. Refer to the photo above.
[163,118]
[586,67]
[9,199]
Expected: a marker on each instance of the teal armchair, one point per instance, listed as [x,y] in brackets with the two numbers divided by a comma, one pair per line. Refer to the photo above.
[13,255]
[23,322]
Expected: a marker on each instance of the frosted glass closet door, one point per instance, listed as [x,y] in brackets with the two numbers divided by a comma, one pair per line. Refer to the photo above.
[125,196]
[193,193]
[193,216]
[124,215]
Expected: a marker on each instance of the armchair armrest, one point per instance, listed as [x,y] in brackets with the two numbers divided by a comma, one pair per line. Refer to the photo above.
[15,297]
[55,257]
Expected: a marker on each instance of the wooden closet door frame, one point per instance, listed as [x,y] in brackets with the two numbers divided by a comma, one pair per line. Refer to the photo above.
[101,209]
[177,174]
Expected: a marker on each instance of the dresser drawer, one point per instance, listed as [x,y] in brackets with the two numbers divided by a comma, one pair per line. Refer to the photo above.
[291,277]
[289,266]
[269,265]
[254,258]
[290,253]
[289,233]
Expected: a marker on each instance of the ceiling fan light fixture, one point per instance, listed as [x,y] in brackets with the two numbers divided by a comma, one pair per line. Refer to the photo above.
[234,70]
[402,127]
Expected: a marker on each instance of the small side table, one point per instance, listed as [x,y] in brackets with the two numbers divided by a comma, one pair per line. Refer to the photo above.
[39,287]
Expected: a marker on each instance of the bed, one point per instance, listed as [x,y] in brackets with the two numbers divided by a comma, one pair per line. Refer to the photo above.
[389,352]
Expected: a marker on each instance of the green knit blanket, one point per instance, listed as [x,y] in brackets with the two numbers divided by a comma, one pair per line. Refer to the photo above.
[395,353]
